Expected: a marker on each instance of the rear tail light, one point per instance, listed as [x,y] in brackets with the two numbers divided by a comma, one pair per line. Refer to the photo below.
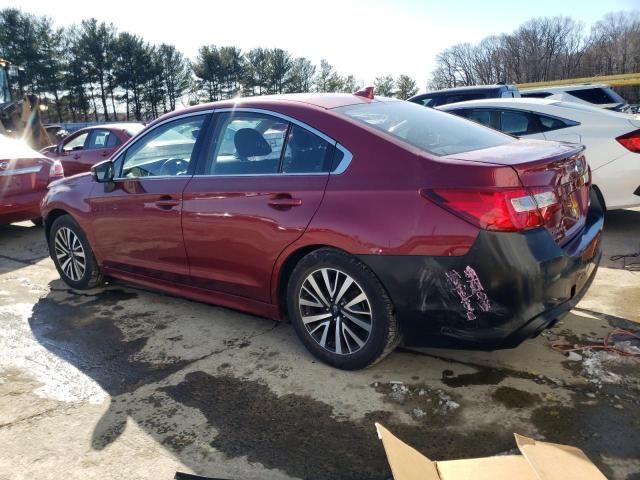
[56,171]
[630,141]
[503,209]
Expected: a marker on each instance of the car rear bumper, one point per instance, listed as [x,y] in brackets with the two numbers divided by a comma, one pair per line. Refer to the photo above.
[507,288]
[20,207]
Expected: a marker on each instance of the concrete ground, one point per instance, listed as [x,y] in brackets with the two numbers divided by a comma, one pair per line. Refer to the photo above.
[124,383]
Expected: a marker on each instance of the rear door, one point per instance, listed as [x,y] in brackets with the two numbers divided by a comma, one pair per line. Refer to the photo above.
[137,218]
[256,191]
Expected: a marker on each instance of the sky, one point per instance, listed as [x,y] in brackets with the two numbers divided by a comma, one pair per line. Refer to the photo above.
[364,38]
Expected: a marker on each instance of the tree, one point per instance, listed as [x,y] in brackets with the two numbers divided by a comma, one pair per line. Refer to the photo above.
[176,72]
[384,86]
[349,84]
[327,79]
[279,65]
[301,75]
[134,66]
[52,67]
[406,87]
[230,71]
[254,71]
[207,68]
[98,41]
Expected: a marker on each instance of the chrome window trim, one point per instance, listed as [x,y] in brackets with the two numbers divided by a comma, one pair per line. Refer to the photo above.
[164,122]
[344,163]
[340,168]
[20,171]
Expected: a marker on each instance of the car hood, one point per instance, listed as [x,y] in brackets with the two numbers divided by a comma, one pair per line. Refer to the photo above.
[71,182]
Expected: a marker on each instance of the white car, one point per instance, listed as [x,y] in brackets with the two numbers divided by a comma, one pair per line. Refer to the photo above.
[601,96]
[612,139]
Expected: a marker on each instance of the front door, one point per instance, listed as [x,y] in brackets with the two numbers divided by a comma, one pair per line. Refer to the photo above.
[137,218]
[260,184]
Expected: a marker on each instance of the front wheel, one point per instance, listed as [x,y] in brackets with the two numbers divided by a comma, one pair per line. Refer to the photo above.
[341,311]
[72,254]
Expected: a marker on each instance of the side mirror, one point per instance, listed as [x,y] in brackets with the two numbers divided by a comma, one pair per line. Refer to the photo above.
[103,172]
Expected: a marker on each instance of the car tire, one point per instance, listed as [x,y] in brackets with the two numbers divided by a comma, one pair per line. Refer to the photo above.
[72,255]
[336,330]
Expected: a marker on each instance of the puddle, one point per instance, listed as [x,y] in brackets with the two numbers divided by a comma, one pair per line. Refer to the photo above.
[513,398]
[302,437]
[484,376]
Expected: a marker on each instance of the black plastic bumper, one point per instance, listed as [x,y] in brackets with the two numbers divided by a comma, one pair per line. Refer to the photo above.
[507,288]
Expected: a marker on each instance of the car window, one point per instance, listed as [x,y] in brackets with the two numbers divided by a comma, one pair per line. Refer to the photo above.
[428,101]
[599,96]
[536,95]
[484,116]
[516,123]
[552,123]
[247,144]
[306,152]
[76,143]
[430,130]
[113,141]
[101,139]
[164,151]
[463,97]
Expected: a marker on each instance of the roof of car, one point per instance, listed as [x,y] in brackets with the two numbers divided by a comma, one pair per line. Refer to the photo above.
[464,89]
[492,101]
[532,103]
[324,101]
[114,126]
[321,100]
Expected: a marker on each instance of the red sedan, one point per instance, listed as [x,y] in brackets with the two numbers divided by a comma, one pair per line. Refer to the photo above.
[24,176]
[82,149]
[362,220]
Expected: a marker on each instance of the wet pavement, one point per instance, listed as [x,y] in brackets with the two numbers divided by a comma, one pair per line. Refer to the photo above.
[122,382]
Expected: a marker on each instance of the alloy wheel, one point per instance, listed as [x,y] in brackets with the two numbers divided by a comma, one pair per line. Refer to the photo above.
[70,254]
[335,311]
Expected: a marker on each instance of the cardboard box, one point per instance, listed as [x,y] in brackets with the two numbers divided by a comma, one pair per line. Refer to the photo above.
[539,461]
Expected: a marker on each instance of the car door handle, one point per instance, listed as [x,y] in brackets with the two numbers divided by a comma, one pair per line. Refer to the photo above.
[105,153]
[284,201]
[167,203]
[76,156]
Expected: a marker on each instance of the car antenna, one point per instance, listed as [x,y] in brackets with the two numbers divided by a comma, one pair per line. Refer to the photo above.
[366,92]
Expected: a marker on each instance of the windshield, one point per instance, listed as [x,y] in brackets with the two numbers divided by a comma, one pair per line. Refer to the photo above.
[430,130]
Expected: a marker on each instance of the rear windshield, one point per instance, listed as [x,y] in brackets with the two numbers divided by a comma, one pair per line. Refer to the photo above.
[599,96]
[430,130]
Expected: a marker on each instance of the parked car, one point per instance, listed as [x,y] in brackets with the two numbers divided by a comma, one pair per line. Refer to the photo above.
[460,94]
[600,96]
[88,146]
[368,221]
[24,176]
[612,139]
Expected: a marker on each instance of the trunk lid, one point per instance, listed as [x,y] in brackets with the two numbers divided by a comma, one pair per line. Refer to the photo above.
[547,166]
[22,170]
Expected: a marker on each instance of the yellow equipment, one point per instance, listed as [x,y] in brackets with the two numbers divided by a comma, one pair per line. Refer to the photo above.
[20,118]
[622,80]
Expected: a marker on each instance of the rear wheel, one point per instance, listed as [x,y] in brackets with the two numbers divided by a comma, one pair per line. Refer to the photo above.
[341,311]
[72,254]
